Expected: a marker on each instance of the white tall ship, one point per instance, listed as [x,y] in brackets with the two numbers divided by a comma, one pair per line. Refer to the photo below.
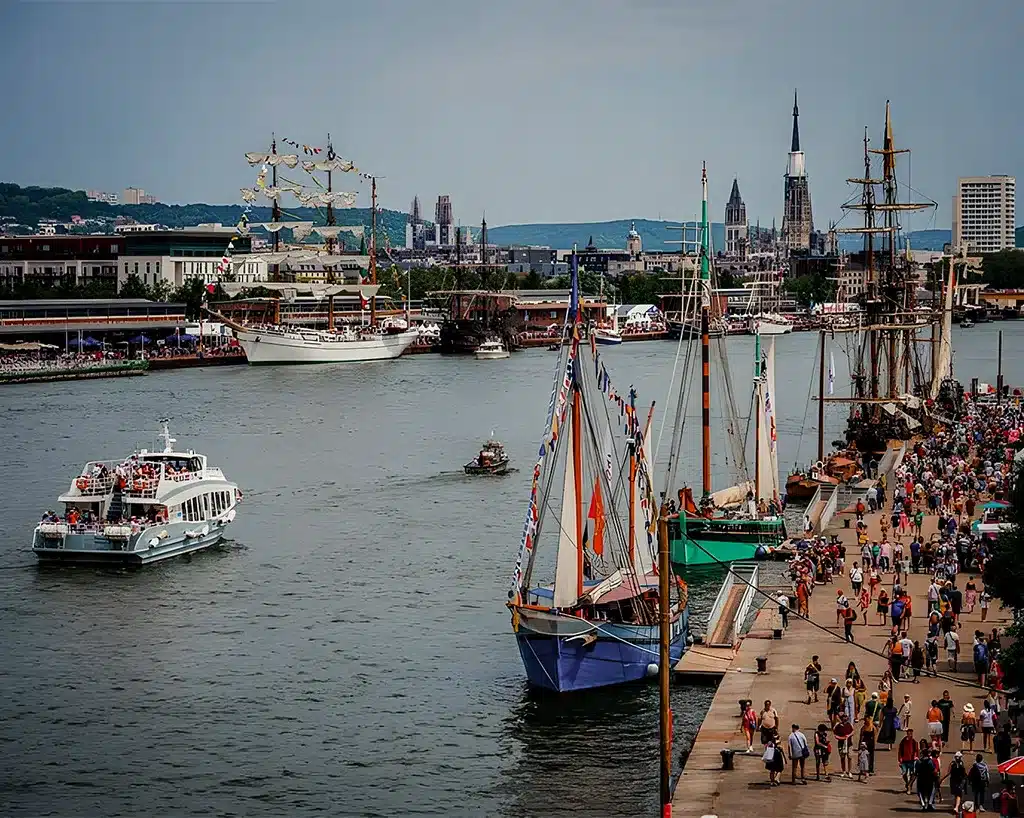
[151,506]
[281,343]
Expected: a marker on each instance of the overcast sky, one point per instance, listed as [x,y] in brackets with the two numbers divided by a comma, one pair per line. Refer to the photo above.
[533,110]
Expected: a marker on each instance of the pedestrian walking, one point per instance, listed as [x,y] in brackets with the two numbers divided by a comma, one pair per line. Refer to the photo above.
[799,752]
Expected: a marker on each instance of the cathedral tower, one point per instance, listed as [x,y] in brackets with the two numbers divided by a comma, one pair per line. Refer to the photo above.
[797,223]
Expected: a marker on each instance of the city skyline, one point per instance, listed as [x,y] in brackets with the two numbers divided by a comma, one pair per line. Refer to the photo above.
[587,111]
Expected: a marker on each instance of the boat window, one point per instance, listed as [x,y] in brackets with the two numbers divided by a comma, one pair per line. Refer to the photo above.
[206,506]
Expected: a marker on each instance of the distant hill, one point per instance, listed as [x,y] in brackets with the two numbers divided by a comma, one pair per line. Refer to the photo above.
[27,205]
[606,235]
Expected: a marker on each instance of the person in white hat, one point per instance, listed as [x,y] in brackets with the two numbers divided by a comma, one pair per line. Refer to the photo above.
[968,727]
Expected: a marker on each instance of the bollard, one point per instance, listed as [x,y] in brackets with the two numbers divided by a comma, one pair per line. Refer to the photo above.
[846,522]
[792,602]
[727,759]
[762,664]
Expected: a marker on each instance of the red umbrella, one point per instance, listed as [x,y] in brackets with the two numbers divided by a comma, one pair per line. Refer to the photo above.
[1015,766]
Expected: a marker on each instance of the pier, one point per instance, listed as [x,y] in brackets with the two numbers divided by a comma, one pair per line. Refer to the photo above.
[705,788]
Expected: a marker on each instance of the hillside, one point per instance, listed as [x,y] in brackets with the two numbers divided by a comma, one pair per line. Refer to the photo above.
[606,235]
[27,205]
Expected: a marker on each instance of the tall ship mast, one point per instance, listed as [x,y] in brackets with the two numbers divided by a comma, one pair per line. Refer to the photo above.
[891,380]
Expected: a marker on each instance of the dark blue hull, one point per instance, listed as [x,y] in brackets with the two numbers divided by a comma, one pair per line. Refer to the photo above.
[619,654]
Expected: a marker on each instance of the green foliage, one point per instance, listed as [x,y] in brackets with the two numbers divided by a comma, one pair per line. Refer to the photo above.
[643,288]
[811,289]
[1002,270]
[1004,579]
[134,288]
[191,294]
[30,204]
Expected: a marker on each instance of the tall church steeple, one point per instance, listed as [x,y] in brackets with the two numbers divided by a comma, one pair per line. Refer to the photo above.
[796,125]
[736,224]
[797,223]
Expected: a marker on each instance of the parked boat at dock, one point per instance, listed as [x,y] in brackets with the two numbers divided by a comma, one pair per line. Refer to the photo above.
[607,337]
[151,506]
[597,623]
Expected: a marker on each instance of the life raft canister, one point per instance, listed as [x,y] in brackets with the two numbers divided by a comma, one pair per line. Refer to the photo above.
[82,483]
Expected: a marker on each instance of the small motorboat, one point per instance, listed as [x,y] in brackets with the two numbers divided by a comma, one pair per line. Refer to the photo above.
[967,323]
[554,347]
[491,351]
[491,460]
[607,336]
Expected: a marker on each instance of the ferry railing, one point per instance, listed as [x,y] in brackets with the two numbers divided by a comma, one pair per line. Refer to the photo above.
[89,486]
[751,571]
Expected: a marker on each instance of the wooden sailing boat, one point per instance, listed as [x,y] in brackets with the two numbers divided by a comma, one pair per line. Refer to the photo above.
[597,622]
[891,384]
[732,523]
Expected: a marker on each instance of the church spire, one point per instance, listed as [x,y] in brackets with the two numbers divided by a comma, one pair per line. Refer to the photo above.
[796,127]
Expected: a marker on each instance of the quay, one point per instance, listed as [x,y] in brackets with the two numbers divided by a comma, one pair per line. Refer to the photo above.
[112,370]
[706,789]
[193,361]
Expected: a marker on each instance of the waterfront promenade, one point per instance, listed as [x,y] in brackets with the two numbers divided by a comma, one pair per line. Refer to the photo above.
[706,789]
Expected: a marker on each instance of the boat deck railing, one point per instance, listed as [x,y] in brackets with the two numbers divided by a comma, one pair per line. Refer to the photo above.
[729,612]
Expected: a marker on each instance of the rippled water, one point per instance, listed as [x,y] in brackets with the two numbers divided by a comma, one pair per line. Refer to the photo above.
[348,653]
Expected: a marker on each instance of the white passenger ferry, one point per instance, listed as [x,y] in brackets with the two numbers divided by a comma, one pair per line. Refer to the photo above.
[149,507]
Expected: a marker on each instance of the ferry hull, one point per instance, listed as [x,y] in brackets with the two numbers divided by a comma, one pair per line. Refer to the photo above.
[268,349]
[559,653]
[765,327]
[94,548]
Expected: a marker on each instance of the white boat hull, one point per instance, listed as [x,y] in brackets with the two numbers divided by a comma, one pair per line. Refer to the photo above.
[156,543]
[492,354]
[761,326]
[263,348]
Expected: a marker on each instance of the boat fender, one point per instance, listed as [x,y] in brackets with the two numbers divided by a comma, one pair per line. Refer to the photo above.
[154,542]
[652,669]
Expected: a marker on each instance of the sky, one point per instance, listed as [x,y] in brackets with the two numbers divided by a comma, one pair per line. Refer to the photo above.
[523,110]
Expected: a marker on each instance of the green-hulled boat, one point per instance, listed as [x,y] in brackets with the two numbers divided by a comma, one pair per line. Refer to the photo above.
[729,526]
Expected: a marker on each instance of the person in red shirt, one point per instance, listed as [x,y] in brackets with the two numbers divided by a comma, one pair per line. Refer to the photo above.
[843,732]
[907,754]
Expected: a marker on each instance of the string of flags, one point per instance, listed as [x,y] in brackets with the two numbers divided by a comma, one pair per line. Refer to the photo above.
[309,150]
[558,408]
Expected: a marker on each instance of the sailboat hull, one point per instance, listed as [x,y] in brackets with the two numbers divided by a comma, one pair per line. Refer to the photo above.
[712,541]
[262,348]
[563,653]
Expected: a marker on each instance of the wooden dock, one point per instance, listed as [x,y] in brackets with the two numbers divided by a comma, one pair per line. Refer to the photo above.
[706,789]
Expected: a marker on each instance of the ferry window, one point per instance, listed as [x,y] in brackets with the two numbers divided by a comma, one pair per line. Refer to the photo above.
[215,498]
[206,506]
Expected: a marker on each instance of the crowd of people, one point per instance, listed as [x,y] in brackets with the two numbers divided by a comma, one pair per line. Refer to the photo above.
[922,512]
[18,363]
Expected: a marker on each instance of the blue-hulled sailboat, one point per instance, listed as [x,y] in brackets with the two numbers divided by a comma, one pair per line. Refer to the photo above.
[597,622]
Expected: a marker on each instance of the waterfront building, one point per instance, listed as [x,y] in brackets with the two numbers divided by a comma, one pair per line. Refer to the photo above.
[175,256]
[736,227]
[984,213]
[52,260]
[797,222]
[53,318]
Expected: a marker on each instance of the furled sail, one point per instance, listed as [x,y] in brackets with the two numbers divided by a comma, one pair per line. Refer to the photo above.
[322,197]
[644,516]
[287,159]
[566,563]
[944,359]
[248,194]
[336,163]
[768,450]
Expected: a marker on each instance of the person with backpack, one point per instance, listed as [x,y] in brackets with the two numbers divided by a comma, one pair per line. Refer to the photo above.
[980,658]
[979,779]
[957,777]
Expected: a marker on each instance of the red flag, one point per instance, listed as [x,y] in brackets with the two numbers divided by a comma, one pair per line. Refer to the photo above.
[596,514]
[211,288]
[364,302]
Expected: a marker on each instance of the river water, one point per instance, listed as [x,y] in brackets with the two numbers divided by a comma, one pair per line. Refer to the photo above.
[348,651]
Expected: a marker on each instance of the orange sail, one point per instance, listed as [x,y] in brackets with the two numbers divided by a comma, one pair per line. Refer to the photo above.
[596,514]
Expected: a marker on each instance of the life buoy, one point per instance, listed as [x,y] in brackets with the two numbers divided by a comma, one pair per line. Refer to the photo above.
[82,483]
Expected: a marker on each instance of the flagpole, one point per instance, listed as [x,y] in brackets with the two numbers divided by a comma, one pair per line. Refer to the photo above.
[821,400]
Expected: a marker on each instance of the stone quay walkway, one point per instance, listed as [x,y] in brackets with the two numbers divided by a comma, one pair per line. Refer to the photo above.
[706,789]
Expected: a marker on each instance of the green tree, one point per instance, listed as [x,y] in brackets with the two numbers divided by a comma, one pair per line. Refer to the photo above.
[1004,579]
[1003,270]
[192,294]
[810,289]
[133,288]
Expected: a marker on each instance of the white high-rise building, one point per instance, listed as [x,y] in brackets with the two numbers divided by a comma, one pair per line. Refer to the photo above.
[984,216]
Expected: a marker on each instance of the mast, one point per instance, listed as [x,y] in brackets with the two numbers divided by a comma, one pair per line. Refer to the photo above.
[705,333]
[373,248]
[821,400]
[999,370]
[632,504]
[331,221]
[664,639]
[275,211]
[759,397]
[577,473]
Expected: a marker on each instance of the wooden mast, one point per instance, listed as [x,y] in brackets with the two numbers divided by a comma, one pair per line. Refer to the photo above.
[331,221]
[664,658]
[577,474]
[373,248]
[275,210]
[705,332]
[632,504]
[821,401]
[757,415]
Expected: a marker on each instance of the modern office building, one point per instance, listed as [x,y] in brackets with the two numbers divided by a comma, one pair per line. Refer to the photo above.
[984,216]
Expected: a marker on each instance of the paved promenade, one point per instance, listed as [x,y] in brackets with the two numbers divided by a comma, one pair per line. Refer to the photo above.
[705,789]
